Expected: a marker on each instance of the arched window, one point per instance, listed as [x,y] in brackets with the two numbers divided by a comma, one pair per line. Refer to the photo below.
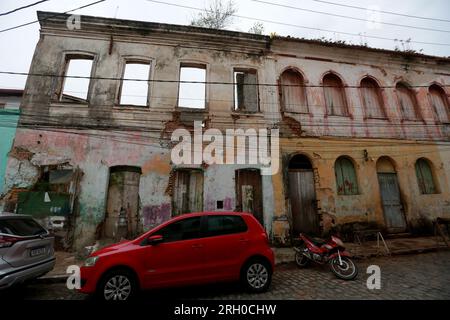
[425,177]
[334,95]
[293,93]
[408,102]
[439,102]
[372,99]
[346,181]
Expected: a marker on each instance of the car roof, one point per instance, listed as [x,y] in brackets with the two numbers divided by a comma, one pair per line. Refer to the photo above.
[14,215]
[211,213]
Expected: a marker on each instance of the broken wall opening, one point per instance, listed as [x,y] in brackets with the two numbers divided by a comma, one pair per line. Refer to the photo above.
[122,219]
[249,192]
[51,201]
[187,192]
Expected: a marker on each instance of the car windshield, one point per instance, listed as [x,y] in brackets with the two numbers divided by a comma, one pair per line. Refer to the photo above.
[21,227]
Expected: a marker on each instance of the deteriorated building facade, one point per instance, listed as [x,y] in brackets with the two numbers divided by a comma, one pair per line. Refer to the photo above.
[364,133]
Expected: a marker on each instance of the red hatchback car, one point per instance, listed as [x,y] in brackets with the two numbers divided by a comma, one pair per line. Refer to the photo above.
[195,248]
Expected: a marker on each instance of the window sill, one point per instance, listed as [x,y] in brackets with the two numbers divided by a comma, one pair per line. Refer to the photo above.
[412,120]
[337,116]
[193,110]
[297,112]
[129,107]
[247,113]
[69,104]
[376,118]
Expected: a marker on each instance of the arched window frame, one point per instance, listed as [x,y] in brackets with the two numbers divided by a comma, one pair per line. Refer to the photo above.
[381,106]
[412,96]
[426,180]
[303,106]
[342,93]
[346,177]
[441,118]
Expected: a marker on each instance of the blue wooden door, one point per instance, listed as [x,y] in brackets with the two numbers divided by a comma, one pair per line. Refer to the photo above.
[392,205]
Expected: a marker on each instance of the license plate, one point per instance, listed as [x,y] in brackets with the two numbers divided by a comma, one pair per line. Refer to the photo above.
[37,251]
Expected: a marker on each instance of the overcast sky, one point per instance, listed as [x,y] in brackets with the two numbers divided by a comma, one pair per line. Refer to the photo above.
[17,46]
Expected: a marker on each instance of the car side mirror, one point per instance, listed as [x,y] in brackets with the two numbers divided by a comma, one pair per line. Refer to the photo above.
[154,240]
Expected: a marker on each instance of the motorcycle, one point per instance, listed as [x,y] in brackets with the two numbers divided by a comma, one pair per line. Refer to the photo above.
[322,252]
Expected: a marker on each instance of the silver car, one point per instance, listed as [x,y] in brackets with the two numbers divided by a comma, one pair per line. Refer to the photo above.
[26,249]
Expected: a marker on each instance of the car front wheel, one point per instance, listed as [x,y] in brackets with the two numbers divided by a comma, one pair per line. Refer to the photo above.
[256,275]
[117,285]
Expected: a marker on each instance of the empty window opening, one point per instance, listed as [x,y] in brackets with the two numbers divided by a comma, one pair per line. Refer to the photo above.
[77,79]
[407,100]
[372,99]
[346,181]
[440,103]
[135,92]
[425,177]
[334,95]
[192,94]
[245,90]
[293,94]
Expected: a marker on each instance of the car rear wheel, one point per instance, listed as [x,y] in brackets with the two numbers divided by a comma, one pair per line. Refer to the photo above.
[256,275]
[117,285]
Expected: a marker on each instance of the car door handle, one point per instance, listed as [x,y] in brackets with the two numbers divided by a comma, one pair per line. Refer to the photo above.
[244,240]
[196,246]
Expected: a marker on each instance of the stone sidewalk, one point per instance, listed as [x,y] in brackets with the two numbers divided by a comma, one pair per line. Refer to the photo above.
[369,249]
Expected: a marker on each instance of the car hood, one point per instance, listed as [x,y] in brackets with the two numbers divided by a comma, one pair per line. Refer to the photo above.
[112,247]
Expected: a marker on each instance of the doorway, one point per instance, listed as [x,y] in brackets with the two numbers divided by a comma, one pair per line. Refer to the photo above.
[187,194]
[302,196]
[390,196]
[249,192]
[123,198]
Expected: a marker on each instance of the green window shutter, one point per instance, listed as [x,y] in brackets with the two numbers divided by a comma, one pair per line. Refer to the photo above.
[425,177]
[339,177]
[346,181]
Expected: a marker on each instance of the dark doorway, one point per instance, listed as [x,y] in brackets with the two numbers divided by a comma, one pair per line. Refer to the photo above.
[123,196]
[302,196]
[187,194]
[249,192]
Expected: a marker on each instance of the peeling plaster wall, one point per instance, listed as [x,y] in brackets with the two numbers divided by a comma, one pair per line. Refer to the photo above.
[119,135]
[367,205]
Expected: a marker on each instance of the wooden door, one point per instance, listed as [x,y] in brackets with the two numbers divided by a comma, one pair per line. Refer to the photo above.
[392,205]
[303,201]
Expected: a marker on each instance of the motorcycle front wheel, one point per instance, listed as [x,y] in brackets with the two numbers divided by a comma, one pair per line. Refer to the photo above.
[345,269]
[301,260]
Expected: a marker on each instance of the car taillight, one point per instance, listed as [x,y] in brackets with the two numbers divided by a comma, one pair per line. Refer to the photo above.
[7,241]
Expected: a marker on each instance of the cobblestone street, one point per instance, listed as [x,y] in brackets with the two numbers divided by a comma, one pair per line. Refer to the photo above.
[420,276]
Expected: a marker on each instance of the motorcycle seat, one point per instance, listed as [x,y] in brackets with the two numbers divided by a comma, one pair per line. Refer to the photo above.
[317,241]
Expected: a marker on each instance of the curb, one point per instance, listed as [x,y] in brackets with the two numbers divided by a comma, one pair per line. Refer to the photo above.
[52,279]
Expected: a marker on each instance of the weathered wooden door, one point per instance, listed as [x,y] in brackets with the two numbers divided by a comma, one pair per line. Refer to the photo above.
[392,205]
[187,192]
[123,194]
[303,201]
[249,192]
